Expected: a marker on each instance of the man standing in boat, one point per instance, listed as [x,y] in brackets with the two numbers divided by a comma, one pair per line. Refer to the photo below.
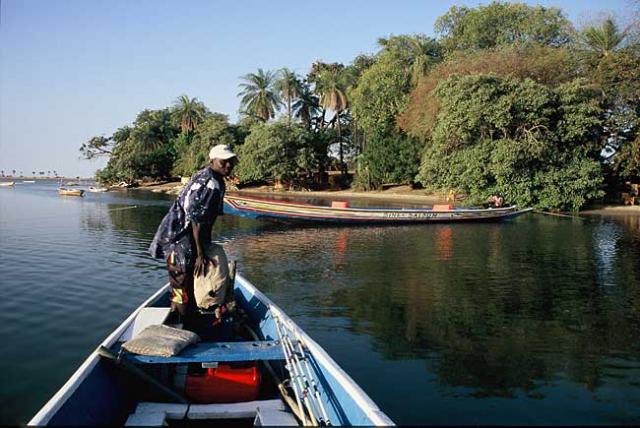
[184,234]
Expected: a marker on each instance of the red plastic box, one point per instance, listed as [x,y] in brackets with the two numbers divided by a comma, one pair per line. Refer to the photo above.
[226,383]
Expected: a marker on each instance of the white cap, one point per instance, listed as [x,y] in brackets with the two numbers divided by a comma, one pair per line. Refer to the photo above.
[221,151]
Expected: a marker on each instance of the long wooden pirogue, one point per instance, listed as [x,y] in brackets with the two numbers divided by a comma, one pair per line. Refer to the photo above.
[340,212]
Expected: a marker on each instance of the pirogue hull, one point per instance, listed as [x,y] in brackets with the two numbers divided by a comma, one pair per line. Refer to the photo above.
[269,208]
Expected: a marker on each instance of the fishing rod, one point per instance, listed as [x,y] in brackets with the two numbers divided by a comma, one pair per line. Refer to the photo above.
[295,376]
[302,376]
[316,390]
[310,385]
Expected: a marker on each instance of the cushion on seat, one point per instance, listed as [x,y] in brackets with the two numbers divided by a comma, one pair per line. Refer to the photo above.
[160,340]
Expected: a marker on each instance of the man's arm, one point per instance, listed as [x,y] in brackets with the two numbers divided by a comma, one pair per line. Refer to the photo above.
[201,237]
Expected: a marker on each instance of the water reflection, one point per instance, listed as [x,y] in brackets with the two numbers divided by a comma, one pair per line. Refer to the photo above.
[606,236]
[498,310]
[445,243]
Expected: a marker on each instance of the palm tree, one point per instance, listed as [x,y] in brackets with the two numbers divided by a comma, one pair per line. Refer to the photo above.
[289,87]
[190,112]
[332,87]
[419,51]
[604,39]
[259,97]
[307,105]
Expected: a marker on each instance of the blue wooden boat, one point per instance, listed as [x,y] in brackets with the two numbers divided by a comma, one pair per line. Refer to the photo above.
[300,383]
[340,212]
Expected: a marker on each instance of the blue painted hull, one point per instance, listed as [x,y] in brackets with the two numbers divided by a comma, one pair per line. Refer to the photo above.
[100,393]
[253,207]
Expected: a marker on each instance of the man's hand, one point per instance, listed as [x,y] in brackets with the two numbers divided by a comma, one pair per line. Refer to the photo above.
[200,267]
[202,262]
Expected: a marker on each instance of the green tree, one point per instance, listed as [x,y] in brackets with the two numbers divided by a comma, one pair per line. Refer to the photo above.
[332,85]
[416,52]
[153,129]
[273,152]
[611,59]
[145,149]
[383,89]
[307,106]
[502,24]
[548,66]
[95,147]
[380,96]
[389,159]
[189,112]
[194,155]
[259,97]
[536,145]
[605,38]
[289,87]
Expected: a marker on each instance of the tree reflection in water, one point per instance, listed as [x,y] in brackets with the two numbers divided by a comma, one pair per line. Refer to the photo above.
[496,308]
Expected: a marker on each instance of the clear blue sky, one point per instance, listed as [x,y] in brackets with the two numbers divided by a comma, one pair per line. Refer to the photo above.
[73,69]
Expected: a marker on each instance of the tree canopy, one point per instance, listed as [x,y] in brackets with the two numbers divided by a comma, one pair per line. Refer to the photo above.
[502,24]
[259,95]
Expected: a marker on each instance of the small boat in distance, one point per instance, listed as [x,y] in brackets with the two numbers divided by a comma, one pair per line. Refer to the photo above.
[264,371]
[70,192]
[7,183]
[97,189]
[340,212]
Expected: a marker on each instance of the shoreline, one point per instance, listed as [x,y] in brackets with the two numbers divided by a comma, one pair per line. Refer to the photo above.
[394,194]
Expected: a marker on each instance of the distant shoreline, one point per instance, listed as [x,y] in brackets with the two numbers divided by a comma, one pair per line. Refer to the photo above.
[9,178]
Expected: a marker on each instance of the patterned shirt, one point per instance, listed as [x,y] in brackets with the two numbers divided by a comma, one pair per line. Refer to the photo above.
[201,201]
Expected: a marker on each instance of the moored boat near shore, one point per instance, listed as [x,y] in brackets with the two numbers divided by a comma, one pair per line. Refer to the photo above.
[93,189]
[70,192]
[7,183]
[340,212]
[269,373]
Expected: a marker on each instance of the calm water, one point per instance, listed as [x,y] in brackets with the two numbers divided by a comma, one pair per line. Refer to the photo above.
[533,321]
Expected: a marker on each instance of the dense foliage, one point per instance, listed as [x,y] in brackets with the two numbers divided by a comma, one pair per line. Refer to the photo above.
[282,152]
[515,137]
[146,149]
[508,98]
[502,24]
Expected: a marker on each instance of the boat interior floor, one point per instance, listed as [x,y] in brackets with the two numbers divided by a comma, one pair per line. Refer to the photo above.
[224,345]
